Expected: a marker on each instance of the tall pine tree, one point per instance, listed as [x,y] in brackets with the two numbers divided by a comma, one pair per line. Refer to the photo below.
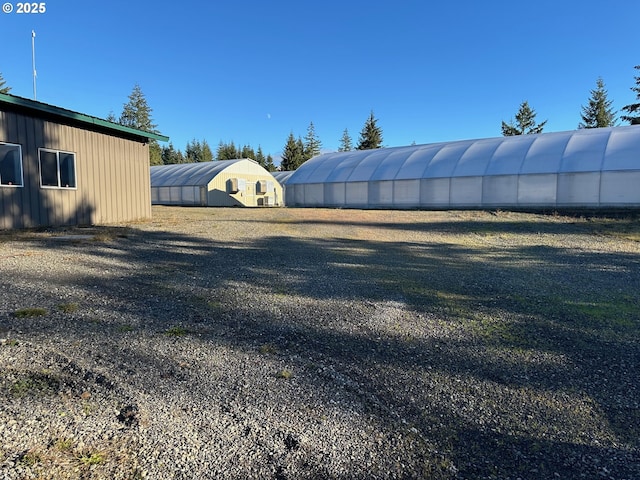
[293,153]
[525,123]
[598,113]
[260,157]
[312,143]
[227,151]
[197,151]
[136,113]
[207,154]
[269,165]
[346,144]
[171,156]
[4,88]
[633,107]
[371,134]
[247,152]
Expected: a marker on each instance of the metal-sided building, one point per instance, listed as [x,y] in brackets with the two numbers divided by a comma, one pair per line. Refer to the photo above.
[224,183]
[59,167]
[589,168]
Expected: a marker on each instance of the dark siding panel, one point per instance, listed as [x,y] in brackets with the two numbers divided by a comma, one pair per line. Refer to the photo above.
[31,137]
[4,192]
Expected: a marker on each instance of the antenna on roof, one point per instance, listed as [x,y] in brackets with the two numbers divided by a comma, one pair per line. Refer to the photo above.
[33,60]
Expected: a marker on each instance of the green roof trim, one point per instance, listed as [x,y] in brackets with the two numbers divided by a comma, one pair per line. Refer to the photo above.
[81,118]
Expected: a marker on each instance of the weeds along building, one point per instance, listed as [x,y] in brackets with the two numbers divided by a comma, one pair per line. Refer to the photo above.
[224,183]
[59,167]
[589,168]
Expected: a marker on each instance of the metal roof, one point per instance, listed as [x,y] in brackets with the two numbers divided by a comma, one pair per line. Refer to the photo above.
[86,121]
[587,150]
[191,174]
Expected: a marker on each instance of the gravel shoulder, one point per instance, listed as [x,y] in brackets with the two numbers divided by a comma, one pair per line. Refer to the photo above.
[313,343]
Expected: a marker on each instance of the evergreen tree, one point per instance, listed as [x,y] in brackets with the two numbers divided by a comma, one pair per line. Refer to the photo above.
[633,107]
[346,144]
[371,135]
[171,156]
[4,88]
[227,151]
[112,117]
[293,154]
[312,143]
[301,148]
[525,122]
[193,151]
[260,157]
[598,113]
[247,152]
[207,154]
[136,113]
[197,151]
[269,165]
[155,153]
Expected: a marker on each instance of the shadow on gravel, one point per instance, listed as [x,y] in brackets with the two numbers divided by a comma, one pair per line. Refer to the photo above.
[520,361]
[581,223]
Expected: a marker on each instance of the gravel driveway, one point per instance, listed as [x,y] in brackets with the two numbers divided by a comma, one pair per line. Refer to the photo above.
[322,344]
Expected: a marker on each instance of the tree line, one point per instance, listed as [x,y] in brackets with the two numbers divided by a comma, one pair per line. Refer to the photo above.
[136,113]
[297,151]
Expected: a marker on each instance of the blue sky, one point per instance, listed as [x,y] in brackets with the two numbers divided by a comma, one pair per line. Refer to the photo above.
[251,72]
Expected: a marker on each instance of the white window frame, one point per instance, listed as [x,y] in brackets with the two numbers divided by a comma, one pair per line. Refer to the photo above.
[14,185]
[58,152]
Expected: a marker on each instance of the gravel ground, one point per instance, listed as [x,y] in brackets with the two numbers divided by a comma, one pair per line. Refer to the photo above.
[331,344]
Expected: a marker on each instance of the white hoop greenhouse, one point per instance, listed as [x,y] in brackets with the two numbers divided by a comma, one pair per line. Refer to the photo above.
[583,168]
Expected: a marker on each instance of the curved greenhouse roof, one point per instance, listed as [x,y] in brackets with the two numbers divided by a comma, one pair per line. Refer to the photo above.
[188,174]
[576,167]
[283,176]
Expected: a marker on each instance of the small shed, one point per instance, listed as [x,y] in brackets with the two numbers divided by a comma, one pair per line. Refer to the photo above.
[224,183]
[59,167]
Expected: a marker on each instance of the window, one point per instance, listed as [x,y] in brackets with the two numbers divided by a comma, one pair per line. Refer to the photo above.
[10,165]
[57,169]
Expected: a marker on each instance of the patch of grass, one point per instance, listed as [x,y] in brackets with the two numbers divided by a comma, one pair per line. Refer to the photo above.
[496,331]
[68,307]
[30,312]
[126,328]
[10,342]
[281,290]
[177,331]
[267,348]
[107,234]
[91,458]
[34,383]
[204,302]
[615,313]
[284,374]
[63,444]
[30,458]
